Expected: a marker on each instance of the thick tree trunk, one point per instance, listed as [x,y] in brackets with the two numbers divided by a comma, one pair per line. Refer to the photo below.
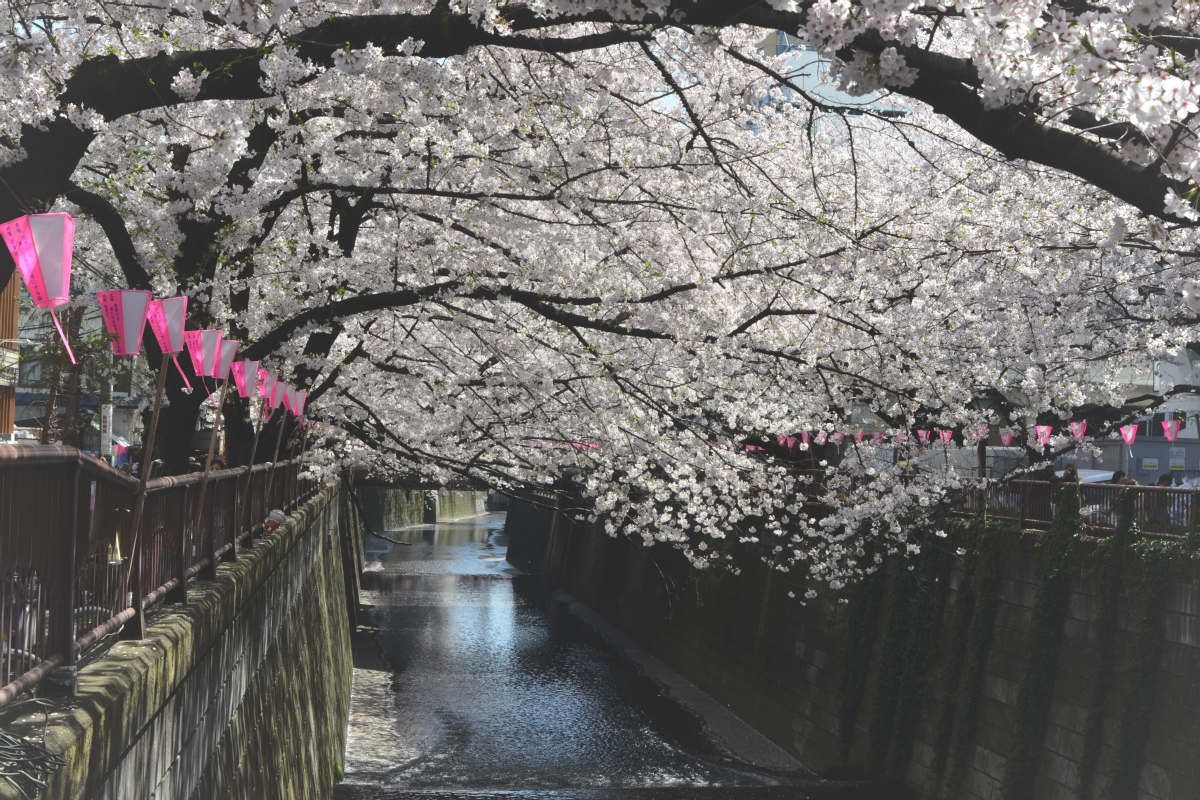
[239,431]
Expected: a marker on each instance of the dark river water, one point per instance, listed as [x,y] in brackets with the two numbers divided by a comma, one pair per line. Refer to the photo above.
[473,680]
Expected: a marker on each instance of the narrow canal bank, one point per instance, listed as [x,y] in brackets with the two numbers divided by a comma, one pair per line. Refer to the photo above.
[473,679]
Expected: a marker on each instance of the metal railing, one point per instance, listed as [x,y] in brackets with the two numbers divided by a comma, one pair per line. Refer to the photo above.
[1162,512]
[70,568]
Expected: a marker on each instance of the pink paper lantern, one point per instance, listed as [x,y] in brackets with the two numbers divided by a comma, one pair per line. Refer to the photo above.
[166,320]
[125,312]
[276,398]
[205,348]
[41,244]
[229,348]
[945,436]
[1006,438]
[1043,434]
[1078,429]
[302,398]
[266,384]
[241,370]
[1171,429]
[924,436]
[289,399]
[1129,434]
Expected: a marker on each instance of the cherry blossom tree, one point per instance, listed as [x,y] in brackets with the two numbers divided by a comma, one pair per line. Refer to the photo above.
[603,250]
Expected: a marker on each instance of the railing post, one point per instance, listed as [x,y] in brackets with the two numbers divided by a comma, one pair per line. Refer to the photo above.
[1024,503]
[231,529]
[208,548]
[136,627]
[60,591]
[178,595]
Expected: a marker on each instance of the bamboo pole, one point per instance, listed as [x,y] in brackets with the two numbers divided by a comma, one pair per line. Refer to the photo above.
[212,444]
[262,423]
[274,459]
[140,504]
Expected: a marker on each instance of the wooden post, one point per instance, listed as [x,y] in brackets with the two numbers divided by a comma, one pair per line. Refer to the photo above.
[136,627]
[210,571]
[9,314]
[274,459]
[262,423]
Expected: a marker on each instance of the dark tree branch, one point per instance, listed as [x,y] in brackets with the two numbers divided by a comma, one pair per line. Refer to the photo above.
[113,225]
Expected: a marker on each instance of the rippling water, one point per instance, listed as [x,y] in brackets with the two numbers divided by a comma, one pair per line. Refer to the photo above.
[476,678]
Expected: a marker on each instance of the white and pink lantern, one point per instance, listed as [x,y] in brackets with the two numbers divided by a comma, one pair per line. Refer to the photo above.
[41,246]
[276,398]
[229,348]
[125,312]
[289,399]
[1129,435]
[245,377]
[266,384]
[1171,429]
[301,399]
[205,349]
[166,319]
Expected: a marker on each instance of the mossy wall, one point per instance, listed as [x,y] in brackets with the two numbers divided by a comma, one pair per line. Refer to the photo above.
[242,693]
[783,666]
[389,509]
[386,509]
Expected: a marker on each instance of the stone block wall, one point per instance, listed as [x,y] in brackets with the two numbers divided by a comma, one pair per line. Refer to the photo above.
[241,693]
[777,663]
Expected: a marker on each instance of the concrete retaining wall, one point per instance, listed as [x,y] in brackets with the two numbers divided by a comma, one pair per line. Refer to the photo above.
[242,693]
[776,663]
[388,508]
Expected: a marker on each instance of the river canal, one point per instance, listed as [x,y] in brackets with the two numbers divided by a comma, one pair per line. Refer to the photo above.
[474,680]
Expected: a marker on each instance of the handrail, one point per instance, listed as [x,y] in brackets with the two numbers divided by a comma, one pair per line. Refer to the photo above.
[64,550]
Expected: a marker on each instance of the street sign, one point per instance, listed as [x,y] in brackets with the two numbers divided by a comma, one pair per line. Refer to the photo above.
[106,414]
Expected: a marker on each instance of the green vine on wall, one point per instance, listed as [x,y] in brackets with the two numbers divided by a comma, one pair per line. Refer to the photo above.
[861,630]
[1043,645]
[979,641]
[1111,555]
[1148,584]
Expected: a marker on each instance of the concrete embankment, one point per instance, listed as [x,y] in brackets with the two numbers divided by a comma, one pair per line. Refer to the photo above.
[388,508]
[1083,663]
[241,693]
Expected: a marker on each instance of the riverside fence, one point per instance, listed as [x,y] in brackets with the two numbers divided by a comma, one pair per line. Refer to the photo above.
[71,568]
[1161,511]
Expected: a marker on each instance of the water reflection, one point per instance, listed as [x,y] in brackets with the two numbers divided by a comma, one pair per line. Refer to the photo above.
[480,679]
